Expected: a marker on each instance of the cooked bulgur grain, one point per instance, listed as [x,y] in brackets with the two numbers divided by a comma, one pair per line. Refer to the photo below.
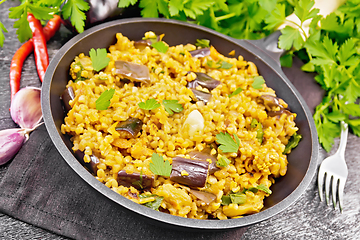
[194,127]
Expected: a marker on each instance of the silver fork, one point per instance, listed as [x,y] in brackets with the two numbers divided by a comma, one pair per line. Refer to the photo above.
[333,170]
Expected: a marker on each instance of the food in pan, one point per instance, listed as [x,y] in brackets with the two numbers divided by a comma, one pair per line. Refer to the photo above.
[181,129]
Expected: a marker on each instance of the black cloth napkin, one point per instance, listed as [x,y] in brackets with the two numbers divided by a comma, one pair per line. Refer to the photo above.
[41,189]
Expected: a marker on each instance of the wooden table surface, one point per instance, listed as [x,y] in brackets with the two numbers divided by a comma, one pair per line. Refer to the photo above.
[308,218]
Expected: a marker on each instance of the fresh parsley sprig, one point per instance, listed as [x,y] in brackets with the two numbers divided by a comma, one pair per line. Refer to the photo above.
[172,106]
[44,10]
[99,58]
[227,143]
[149,104]
[160,167]
[103,102]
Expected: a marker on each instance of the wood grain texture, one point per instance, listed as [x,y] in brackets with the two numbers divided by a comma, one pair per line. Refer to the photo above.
[308,218]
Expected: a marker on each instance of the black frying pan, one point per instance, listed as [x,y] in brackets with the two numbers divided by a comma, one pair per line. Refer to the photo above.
[302,160]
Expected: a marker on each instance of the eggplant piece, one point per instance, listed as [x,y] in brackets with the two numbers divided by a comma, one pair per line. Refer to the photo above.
[204,196]
[143,43]
[90,166]
[279,113]
[204,81]
[129,128]
[133,71]
[201,96]
[199,53]
[135,179]
[271,103]
[66,96]
[204,156]
[196,171]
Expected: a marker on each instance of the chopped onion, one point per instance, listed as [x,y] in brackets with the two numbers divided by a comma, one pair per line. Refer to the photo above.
[11,141]
[25,107]
[204,196]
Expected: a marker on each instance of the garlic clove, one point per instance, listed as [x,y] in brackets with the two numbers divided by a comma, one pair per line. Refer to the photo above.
[194,123]
[25,107]
[11,141]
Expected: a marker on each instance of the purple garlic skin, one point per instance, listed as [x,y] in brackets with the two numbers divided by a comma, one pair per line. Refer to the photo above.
[11,141]
[25,107]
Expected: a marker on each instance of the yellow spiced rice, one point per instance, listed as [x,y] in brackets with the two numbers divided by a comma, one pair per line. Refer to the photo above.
[255,163]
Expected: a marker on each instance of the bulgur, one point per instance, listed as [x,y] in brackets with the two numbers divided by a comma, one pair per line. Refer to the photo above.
[246,173]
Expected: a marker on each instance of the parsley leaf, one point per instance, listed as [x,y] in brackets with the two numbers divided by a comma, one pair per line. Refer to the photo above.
[276,18]
[103,102]
[259,129]
[290,37]
[75,10]
[172,106]
[263,188]
[149,104]
[153,204]
[160,46]
[99,58]
[227,143]
[225,65]
[2,37]
[236,198]
[219,64]
[303,10]
[258,82]
[293,142]
[159,167]
[126,3]
[223,161]
[204,43]
[24,32]
[237,91]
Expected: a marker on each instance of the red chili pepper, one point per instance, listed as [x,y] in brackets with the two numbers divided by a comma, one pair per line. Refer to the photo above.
[24,51]
[40,48]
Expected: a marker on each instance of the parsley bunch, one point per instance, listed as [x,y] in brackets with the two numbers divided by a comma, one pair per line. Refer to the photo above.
[332,50]
[44,10]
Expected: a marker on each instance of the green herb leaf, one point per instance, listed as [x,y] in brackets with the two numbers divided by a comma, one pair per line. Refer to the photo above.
[263,188]
[153,204]
[236,92]
[293,142]
[160,46]
[225,200]
[204,43]
[258,82]
[227,143]
[159,167]
[225,65]
[172,106]
[78,74]
[126,3]
[103,102]
[99,58]
[149,104]
[24,32]
[259,129]
[238,198]
[290,37]
[2,37]
[276,18]
[223,161]
[75,10]
[303,10]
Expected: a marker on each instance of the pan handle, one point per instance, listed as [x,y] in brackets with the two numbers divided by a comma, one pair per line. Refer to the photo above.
[269,46]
